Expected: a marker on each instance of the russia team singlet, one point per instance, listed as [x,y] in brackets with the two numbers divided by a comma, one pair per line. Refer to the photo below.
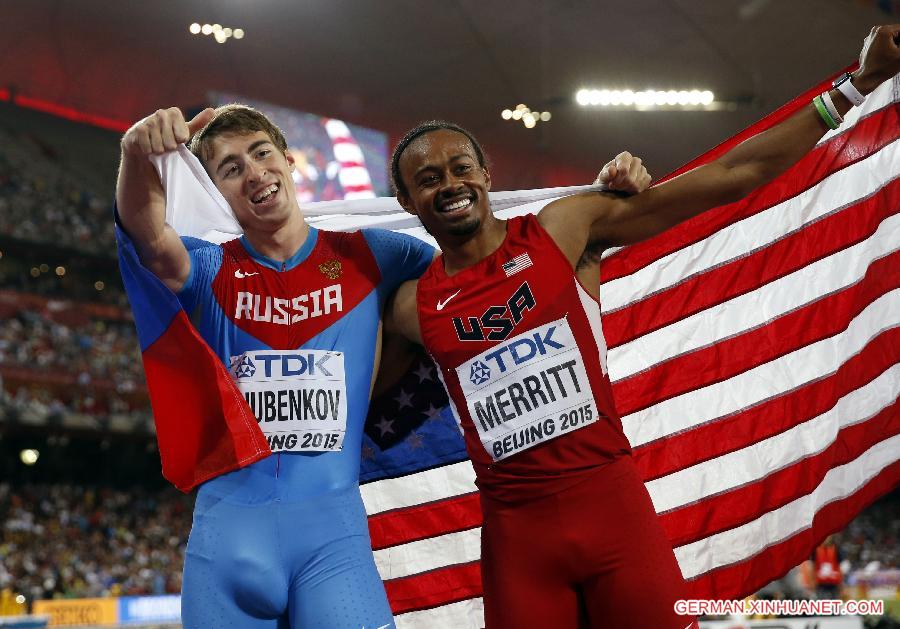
[520,348]
[299,339]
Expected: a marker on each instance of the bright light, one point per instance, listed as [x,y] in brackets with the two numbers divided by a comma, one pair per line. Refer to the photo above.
[206,29]
[238,33]
[195,28]
[60,270]
[20,599]
[529,117]
[216,28]
[644,99]
[220,37]
[228,32]
[29,456]
[35,271]
[99,285]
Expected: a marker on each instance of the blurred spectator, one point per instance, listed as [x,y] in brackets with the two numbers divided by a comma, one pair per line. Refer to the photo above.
[826,560]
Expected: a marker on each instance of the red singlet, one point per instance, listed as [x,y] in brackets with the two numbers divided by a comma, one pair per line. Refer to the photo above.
[569,531]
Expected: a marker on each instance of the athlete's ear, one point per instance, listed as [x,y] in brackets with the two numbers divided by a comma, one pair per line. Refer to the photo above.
[487,178]
[290,158]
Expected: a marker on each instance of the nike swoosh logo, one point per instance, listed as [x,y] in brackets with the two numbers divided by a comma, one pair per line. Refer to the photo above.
[441,304]
[241,275]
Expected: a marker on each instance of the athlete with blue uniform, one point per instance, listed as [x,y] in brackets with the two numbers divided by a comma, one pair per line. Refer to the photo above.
[294,313]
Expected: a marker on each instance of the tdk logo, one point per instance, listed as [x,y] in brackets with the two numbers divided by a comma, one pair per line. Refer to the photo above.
[522,350]
[243,367]
[480,373]
[281,365]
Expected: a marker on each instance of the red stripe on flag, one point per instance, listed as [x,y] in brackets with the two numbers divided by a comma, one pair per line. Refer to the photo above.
[867,137]
[744,578]
[743,275]
[350,164]
[436,587]
[739,506]
[804,326]
[422,521]
[769,418]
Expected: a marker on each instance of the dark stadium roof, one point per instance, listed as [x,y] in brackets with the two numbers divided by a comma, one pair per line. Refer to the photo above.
[391,63]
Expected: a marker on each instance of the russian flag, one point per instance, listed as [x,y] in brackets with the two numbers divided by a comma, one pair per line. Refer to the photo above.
[203,424]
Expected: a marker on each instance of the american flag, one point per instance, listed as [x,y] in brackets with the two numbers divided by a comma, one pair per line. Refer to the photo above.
[519,263]
[754,355]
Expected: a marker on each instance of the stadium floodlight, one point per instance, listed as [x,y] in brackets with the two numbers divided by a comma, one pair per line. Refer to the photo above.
[29,456]
[648,99]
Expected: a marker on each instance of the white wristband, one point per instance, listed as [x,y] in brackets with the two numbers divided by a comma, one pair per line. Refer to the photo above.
[845,86]
[829,105]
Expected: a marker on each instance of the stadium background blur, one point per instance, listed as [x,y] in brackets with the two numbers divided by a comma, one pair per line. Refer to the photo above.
[84,511]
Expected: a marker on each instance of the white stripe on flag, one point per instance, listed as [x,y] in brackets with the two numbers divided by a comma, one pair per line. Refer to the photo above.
[855,182]
[757,461]
[766,381]
[429,554]
[407,491]
[745,541]
[751,310]
[467,614]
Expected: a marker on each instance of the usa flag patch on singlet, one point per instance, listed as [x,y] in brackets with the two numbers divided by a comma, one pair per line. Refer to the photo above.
[519,263]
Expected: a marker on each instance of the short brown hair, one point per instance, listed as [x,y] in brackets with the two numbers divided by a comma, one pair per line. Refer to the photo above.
[234,118]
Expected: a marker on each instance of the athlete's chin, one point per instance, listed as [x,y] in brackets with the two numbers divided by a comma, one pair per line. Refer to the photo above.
[464,228]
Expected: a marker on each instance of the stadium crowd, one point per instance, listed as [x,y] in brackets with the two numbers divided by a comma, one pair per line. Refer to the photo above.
[40,201]
[50,367]
[66,541]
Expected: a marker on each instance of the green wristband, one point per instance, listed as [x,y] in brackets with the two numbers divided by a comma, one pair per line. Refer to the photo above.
[823,111]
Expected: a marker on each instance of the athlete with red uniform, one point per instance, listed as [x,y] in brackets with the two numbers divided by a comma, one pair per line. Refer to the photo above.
[569,529]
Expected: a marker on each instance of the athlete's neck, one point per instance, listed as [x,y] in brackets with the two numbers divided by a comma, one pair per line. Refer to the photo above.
[462,252]
[281,243]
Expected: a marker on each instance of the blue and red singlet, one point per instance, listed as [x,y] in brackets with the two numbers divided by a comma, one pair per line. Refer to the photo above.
[284,541]
[569,528]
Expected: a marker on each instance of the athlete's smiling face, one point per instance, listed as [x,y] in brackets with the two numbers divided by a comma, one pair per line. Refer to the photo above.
[446,185]
[254,177]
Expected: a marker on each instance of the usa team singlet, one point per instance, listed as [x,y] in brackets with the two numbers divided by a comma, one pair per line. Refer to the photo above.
[285,540]
[516,337]
[569,530]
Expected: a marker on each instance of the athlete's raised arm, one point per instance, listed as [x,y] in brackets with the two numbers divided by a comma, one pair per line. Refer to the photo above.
[141,199]
[603,219]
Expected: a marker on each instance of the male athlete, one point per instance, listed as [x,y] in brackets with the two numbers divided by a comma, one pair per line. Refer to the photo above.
[569,529]
[295,313]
